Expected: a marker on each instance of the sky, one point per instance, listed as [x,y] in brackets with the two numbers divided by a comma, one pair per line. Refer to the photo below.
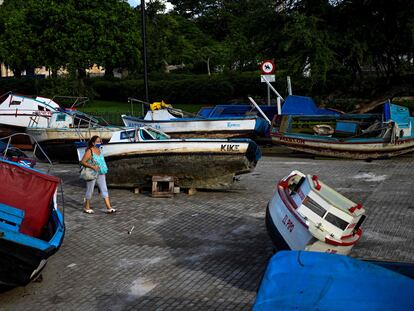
[134,3]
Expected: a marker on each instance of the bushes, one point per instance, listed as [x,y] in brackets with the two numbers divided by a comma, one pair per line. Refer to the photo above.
[204,89]
[185,89]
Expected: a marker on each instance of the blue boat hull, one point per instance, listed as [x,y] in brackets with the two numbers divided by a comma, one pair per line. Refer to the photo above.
[298,280]
[20,264]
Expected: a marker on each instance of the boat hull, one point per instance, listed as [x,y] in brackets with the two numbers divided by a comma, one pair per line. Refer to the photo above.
[197,164]
[21,264]
[315,281]
[59,144]
[352,150]
[288,231]
[228,128]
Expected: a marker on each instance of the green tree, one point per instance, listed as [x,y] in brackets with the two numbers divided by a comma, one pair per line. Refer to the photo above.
[17,39]
[75,34]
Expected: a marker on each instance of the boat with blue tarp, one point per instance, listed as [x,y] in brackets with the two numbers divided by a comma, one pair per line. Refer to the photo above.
[356,136]
[292,105]
[178,123]
[301,280]
[31,224]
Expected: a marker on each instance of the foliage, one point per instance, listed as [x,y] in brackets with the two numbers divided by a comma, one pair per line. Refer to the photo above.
[73,34]
[328,47]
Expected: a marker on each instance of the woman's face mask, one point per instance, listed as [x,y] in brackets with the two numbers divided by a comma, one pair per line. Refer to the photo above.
[98,145]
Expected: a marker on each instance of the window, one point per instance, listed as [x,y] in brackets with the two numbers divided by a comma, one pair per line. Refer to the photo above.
[146,136]
[296,186]
[128,134]
[314,207]
[15,103]
[40,108]
[60,117]
[157,135]
[336,221]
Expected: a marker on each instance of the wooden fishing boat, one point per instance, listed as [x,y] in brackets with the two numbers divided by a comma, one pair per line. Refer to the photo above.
[17,112]
[31,225]
[64,129]
[133,156]
[306,214]
[177,123]
[365,136]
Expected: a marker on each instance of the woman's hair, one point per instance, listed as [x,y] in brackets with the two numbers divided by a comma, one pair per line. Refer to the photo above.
[92,141]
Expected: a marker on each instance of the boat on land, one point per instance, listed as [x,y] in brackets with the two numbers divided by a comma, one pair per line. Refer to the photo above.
[355,136]
[297,280]
[135,155]
[292,105]
[64,129]
[17,112]
[13,154]
[179,124]
[306,214]
[31,224]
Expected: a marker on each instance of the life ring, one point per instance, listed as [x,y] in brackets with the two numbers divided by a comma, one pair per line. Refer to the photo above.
[323,129]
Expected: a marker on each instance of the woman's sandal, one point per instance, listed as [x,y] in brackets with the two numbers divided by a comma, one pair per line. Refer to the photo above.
[88,211]
[110,211]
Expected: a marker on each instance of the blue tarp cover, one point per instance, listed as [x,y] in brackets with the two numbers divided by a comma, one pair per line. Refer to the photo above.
[300,280]
[302,105]
[235,110]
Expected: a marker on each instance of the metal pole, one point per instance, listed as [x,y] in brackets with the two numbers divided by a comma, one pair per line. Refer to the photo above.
[260,110]
[289,84]
[272,88]
[144,48]
[279,107]
[268,95]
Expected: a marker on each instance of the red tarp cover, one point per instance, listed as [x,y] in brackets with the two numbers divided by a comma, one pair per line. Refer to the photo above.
[30,191]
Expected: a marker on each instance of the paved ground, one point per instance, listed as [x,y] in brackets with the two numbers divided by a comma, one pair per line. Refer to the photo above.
[207,251]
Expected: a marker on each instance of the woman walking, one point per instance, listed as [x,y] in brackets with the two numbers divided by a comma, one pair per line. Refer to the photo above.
[94,159]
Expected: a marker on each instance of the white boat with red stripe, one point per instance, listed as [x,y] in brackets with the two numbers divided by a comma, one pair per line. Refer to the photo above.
[306,214]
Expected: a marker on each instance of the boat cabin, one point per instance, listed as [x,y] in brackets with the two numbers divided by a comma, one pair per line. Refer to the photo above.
[137,135]
[72,119]
[23,106]
[330,216]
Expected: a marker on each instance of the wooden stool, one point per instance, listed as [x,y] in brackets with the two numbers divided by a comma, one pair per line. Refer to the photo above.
[162,186]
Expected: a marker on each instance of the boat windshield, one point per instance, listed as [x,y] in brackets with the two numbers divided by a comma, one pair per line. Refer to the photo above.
[314,207]
[157,135]
[336,221]
[330,195]
[130,135]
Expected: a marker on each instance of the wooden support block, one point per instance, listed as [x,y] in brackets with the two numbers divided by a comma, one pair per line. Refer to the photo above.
[191,191]
[136,190]
[162,186]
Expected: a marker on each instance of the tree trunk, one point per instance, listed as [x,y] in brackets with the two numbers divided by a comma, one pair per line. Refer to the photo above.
[17,73]
[109,71]
[208,66]
[81,73]
[30,72]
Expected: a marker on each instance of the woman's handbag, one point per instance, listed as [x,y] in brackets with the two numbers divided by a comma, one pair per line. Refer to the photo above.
[87,173]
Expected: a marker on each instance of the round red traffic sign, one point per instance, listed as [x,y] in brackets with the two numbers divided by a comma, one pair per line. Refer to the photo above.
[267,67]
